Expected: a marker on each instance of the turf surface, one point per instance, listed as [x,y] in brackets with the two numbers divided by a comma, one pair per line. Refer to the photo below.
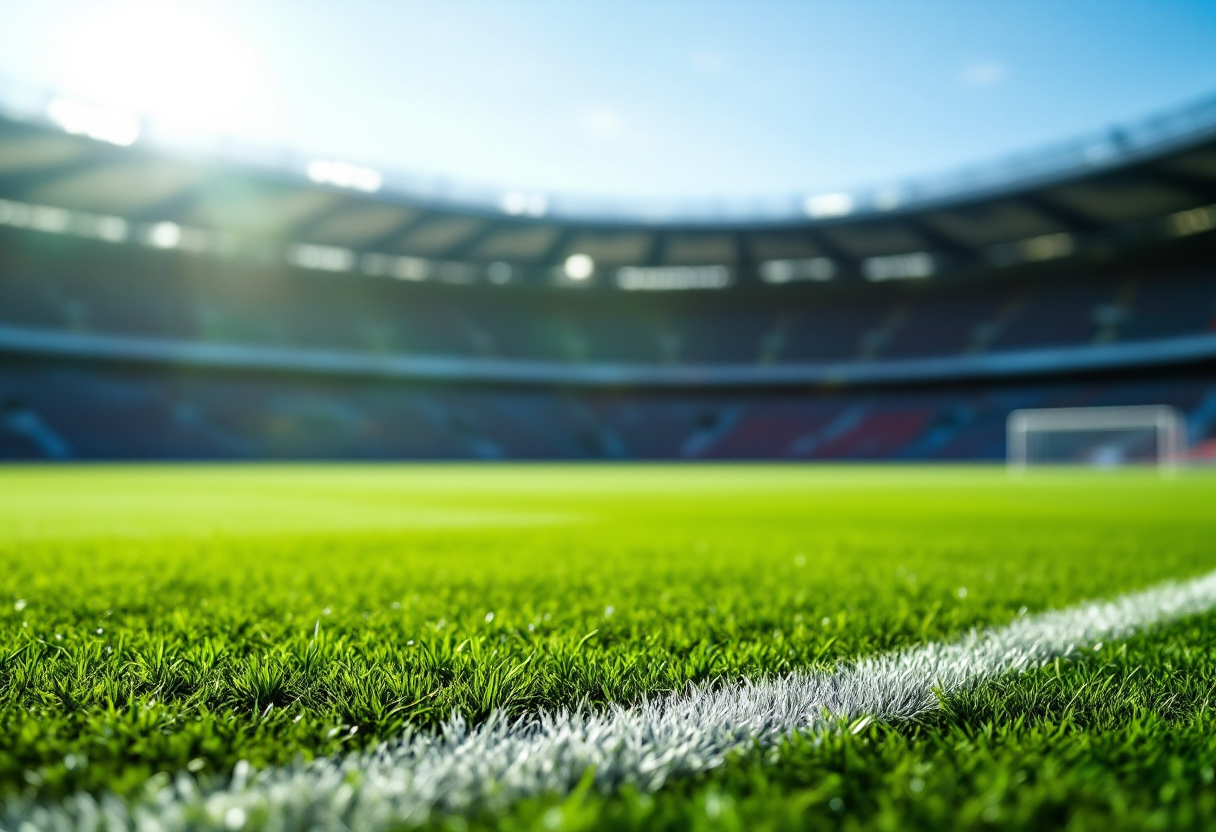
[1120,739]
[182,618]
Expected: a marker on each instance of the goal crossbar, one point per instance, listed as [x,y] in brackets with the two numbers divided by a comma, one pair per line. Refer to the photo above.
[1166,422]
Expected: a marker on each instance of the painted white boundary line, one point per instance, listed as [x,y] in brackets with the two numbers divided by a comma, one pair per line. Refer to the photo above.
[500,762]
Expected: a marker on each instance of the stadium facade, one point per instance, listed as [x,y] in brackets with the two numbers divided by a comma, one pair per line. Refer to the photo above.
[163,303]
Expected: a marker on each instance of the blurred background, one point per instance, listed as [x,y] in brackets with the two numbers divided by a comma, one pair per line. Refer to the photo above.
[544,230]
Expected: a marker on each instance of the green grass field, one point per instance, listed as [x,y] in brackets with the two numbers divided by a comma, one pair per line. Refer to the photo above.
[181,619]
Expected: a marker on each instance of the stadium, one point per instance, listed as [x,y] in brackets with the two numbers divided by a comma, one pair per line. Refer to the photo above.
[215,308]
[337,497]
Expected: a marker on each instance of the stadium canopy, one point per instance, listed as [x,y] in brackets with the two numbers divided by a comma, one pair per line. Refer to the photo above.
[69,167]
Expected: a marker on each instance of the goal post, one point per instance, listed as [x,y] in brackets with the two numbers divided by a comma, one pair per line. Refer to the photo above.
[1104,437]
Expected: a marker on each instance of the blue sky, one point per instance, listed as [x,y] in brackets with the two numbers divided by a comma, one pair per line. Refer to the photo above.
[635,99]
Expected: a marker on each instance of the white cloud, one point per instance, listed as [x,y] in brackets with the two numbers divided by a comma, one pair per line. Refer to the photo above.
[983,74]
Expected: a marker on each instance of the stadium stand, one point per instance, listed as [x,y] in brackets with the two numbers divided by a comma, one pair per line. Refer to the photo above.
[87,287]
[69,410]
[156,307]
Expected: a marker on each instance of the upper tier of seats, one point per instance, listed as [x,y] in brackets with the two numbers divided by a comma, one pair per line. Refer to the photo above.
[90,287]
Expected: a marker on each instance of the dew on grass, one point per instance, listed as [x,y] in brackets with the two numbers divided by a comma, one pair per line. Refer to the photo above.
[489,617]
[19,604]
[962,592]
[608,611]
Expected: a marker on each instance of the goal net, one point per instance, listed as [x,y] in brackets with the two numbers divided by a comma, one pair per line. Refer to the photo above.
[1104,437]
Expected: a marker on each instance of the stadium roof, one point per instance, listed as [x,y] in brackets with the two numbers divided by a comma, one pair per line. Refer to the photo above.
[69,167]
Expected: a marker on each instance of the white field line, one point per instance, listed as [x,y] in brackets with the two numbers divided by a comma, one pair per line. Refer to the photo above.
[500,762]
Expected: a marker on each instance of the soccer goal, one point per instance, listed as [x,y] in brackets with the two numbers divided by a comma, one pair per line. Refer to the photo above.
[1104,437]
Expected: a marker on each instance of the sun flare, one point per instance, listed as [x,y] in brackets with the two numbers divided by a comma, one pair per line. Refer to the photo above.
[184,65]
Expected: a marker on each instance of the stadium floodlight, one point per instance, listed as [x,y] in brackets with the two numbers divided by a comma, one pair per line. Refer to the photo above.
[1194,221]
[52,220]
[345,175]
[667,278]
[411,268]
[108,228]
[1105,437]
[579,267]
[1047,247]
[822,206]
[784,271]
[97,123]
[62,221]
[517,203]
[165,235]
[911,266]
[321,258]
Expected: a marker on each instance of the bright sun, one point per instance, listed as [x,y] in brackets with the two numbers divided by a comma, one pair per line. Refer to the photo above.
[180,63]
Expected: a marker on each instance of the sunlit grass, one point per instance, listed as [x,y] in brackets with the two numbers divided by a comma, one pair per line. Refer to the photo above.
[1123,738]
[170,618]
